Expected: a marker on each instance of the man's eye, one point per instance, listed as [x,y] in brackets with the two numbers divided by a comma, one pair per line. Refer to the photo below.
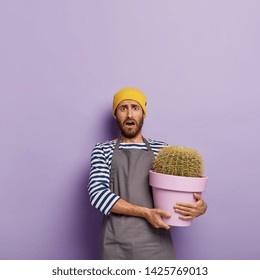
[136,108]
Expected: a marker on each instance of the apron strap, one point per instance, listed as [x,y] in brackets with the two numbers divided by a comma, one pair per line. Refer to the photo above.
[117,144]
[147,144]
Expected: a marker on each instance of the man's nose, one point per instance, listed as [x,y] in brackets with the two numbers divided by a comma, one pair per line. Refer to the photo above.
[130,113]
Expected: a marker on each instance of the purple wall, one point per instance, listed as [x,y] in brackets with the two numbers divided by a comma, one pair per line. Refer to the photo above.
[60,64]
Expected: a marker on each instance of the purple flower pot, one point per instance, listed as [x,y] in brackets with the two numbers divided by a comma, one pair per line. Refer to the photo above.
[170,189]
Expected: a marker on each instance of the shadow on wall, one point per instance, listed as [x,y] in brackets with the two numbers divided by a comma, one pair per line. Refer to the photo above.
[92,220]
[110,129]
[89,225]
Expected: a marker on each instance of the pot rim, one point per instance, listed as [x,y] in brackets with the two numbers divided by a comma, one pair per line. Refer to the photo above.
[177,183]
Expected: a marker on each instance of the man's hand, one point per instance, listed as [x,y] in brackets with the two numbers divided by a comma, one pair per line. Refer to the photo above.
[189,211]
[154,217]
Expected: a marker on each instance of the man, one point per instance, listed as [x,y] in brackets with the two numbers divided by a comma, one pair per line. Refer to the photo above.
[118,187]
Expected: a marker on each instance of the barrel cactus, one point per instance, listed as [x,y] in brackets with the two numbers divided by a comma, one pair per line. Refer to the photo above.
[178,161]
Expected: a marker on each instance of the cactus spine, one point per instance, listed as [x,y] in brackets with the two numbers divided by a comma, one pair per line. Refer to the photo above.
[178,161]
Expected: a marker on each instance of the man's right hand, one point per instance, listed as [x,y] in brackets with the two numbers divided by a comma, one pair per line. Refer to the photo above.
[154,217]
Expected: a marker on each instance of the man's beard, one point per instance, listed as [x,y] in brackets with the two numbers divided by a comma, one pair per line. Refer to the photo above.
[130,133]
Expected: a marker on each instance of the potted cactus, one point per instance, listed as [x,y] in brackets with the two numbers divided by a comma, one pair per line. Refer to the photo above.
[177,172]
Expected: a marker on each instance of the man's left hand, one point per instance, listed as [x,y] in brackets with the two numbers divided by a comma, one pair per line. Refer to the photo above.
[189,211]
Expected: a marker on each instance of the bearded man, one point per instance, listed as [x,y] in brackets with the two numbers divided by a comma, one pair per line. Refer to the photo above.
[118,187]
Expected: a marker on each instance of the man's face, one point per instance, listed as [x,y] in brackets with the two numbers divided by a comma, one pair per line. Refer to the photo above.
[129,116]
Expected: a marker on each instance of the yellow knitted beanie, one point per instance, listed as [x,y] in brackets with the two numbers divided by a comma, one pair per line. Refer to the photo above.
[131,94]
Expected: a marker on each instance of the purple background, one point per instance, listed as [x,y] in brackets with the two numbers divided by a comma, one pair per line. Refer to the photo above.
[198,62]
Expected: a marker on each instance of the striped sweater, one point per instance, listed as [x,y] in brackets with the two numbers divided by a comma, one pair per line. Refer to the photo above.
[99,191]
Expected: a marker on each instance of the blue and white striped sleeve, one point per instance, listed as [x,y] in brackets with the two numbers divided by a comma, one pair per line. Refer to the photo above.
[99,191]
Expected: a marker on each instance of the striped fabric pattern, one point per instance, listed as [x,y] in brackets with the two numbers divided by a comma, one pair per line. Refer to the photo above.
[99,191]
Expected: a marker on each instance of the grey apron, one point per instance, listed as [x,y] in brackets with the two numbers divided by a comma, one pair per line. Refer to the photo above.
[126,237]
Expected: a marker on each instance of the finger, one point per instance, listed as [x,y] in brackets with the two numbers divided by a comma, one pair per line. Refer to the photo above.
[198,196]
[185,218]
[165,226]
[185,213]
[167,214]
[161,224]
[162,213]
[186,205]
[179,207]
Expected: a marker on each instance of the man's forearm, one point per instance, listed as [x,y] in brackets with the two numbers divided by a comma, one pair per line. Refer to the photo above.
[124,207]
[153,216]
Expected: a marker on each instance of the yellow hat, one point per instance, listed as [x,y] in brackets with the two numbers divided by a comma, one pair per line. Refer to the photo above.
[131,94]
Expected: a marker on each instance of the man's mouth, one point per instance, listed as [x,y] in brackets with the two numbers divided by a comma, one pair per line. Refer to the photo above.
[130,123]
